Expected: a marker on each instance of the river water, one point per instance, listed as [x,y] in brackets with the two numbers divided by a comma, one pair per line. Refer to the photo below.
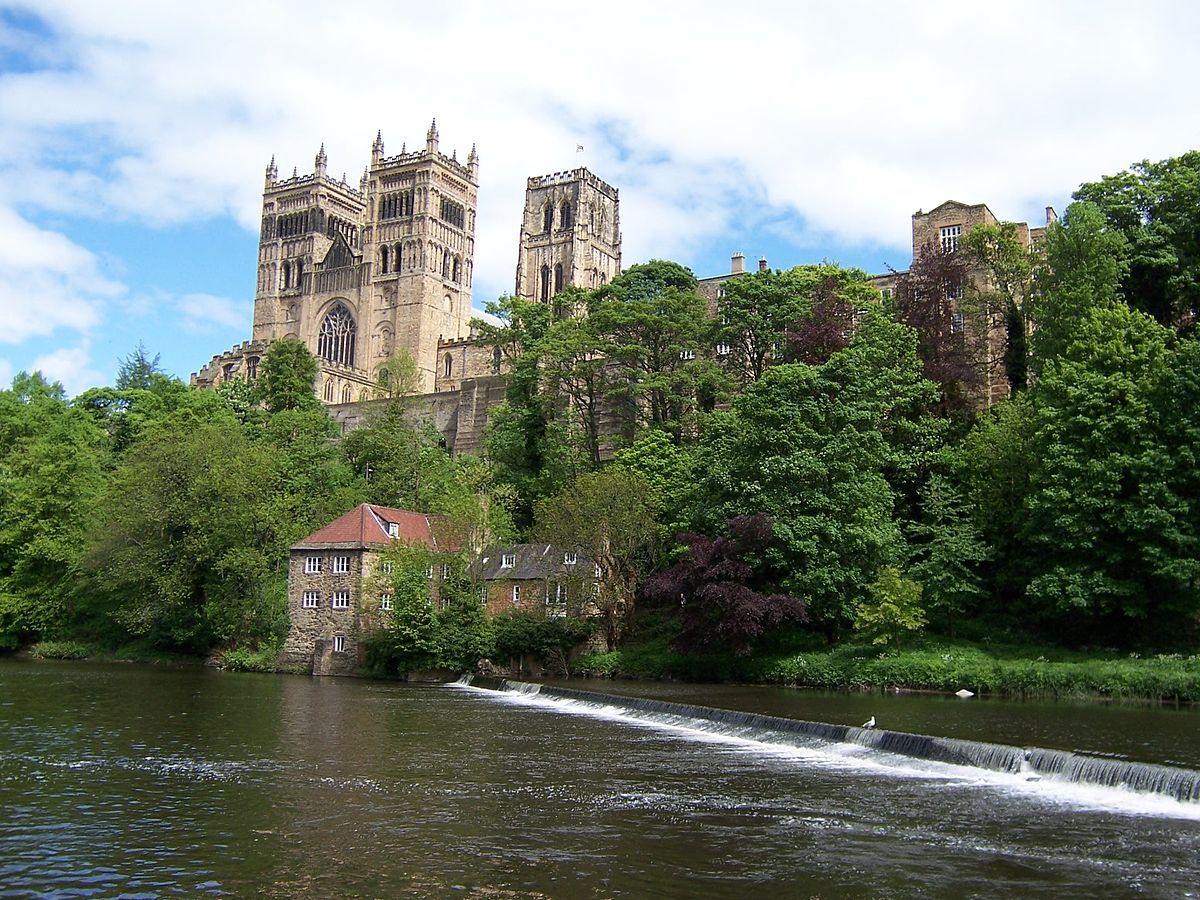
[144,782]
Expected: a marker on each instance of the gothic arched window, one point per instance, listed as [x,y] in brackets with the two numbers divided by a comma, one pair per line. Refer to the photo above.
[397,258]
[299,271]
[329,391]
[545,295]
[558,278]
[446,265]
[496,357]
[336,339]
[456,270]
[346,393]
[449,365]
[564,216]
[287,275]
[548,218]
[383,259]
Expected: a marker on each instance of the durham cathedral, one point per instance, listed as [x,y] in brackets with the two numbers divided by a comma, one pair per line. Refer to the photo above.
[360,274]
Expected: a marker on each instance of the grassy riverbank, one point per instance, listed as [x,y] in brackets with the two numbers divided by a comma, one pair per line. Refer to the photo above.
[1019,670]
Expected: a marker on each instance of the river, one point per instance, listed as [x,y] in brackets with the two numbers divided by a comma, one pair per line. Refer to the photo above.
[135,781]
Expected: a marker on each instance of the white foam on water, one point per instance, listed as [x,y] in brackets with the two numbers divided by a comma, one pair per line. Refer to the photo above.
[854,758]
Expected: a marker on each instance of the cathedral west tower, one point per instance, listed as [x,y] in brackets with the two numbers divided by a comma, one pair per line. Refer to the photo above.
[360,273]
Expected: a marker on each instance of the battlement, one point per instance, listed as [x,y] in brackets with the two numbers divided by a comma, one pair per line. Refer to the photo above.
[580,174]
[404,159]
[314,180]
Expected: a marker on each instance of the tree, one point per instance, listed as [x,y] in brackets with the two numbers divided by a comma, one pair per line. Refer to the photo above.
[812,447]
[1113,540]
[53,462]
[952,355]
[1153,206]
[894,609]
[397,377]
[999,292]
[610,517]
[138,371]
[651,325]
[722,594]
[946,552]
[1086,261]
[575,369]
[993,463]
[825,328]
[755,311]
[288,373]
[179,545]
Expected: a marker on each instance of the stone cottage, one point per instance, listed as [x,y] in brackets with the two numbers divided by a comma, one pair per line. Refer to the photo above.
[538,578]
[333,603]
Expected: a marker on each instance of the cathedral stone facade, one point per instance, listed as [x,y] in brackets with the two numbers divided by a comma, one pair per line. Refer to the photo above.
[359,274]
[570,235]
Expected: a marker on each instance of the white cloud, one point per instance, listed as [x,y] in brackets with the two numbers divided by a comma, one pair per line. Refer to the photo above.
[206,313]
[49,282]
[72,366]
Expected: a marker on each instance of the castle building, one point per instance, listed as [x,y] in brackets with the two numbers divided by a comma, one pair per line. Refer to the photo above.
[358,274]
[570,235]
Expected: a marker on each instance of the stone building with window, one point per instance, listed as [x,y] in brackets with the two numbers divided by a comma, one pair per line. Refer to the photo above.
[537,578]
[570,235]
[360,272]
[334,598]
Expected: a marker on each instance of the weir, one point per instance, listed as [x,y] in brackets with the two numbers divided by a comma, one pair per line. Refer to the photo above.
[1169,781]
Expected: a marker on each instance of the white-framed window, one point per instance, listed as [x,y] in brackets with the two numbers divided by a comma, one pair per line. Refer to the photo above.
[310,600]
[559,597]
[312,565]
[339,643]
[686,355]
[445,571]
[950,235]
[597,570]
[429,571]
[954,290]
[388,568]
[508,560]
[483,594]
[886,293]
[340,565]
[957,323]
[569,558]
[596,590]
[393,530]
[341,599]
[385,601]
[723,348]
[516,595]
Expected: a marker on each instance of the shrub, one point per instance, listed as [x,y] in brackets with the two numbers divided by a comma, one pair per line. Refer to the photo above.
[60,650]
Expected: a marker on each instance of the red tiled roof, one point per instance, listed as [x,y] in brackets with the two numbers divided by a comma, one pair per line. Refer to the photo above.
[367,526]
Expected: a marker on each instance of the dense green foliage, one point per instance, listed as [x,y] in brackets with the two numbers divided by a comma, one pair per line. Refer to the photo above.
[900,505]
[155,516]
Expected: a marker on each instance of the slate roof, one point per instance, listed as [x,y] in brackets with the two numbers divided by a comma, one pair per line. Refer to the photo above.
[532,562]
[367,526]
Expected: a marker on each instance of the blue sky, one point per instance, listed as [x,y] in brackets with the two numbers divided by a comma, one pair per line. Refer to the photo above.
[135,134]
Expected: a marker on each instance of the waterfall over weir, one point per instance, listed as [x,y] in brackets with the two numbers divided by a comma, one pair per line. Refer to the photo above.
[1033,762]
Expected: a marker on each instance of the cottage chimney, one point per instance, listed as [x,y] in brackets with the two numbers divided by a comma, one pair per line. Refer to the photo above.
[737,263]
[762,264]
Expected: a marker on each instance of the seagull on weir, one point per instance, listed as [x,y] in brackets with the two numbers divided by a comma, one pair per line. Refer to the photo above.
[870,723]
